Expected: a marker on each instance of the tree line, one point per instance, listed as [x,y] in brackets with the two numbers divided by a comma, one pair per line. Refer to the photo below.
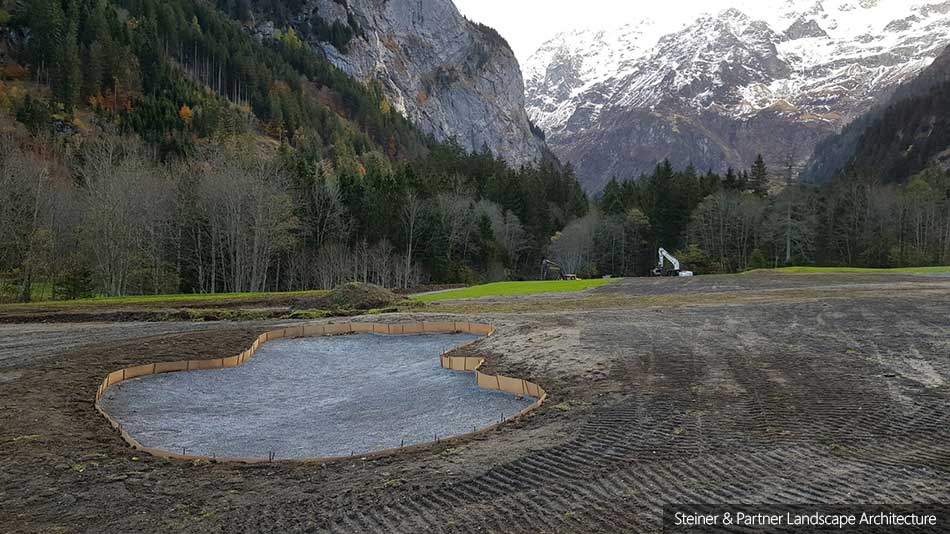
[731,222]
[111,218]
[198,158]
[219,162]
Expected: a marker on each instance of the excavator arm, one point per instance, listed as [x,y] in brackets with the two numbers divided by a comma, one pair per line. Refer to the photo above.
[669,257]
[665,256]
[548,267]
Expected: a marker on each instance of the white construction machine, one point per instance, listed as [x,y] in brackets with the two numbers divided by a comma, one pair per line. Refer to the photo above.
[675,263]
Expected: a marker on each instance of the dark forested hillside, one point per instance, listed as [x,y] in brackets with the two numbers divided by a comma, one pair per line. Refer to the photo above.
[897,139]
[153,57]
[730,222]
[910,135]
[161,148]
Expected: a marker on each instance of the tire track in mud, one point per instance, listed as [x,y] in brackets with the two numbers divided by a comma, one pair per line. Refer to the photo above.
[32,344]
[544,492]
[708,416]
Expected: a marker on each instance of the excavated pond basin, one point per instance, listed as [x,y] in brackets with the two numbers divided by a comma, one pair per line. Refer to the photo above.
[312,398]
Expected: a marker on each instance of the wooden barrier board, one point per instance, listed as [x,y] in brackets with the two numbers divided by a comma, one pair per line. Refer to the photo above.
[457,363]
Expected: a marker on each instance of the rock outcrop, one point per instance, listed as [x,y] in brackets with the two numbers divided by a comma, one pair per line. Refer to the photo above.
[452,77]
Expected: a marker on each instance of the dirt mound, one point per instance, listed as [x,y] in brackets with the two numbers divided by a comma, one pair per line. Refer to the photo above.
[352,296]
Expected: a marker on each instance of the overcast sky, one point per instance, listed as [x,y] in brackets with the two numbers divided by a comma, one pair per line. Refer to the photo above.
[526,24]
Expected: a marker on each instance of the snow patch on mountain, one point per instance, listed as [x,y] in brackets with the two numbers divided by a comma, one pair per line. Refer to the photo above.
[824,61]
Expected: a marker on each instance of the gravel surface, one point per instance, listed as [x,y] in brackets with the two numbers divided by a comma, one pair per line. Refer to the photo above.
[754,281]
[312,397]
[48,341]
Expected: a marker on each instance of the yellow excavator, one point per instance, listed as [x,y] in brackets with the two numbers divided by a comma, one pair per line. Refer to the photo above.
[553,271]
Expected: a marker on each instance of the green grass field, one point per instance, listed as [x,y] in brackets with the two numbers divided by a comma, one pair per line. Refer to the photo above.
[855,270]
[498,289]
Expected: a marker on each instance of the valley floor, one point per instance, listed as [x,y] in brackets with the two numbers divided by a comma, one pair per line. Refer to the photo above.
[755,388]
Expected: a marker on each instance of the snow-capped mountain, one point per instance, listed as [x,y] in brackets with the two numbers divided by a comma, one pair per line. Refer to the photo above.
[770,77]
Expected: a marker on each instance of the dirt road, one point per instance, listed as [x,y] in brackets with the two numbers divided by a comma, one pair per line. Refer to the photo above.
[791,397]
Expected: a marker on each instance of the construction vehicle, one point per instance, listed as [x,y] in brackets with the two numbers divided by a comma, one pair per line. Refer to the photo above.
[661,270]
[553,271]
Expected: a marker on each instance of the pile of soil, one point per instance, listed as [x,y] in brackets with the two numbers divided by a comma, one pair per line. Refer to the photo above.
[352,296]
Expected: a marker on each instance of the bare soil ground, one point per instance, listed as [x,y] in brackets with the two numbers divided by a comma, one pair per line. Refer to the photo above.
[757,388]
[346,301]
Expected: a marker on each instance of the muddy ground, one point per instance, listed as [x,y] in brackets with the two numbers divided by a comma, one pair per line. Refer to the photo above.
[345,301]
[765,389]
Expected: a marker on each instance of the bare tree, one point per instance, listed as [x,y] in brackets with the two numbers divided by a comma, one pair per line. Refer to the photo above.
[411,215]
[250,214]
[507,230]
[24,202]
[381,259]
[573,247]
[727,226]
[457,220]
[126,201]
[324,215]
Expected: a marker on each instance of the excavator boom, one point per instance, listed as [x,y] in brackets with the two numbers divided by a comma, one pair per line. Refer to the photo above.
[669,257]
[665,256]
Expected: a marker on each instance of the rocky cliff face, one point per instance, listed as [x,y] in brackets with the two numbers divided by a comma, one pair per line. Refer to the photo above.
[453,78]
[771,77]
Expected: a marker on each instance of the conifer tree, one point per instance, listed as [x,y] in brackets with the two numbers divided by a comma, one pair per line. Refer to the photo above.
[759,177]
[95,69]
[731,181]
[67,74]
[45,19]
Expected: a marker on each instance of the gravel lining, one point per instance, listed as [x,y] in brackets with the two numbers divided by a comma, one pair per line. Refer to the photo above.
[312,397]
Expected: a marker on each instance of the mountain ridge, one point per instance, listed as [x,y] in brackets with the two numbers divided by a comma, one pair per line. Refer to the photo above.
[897,138]
[723,88]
